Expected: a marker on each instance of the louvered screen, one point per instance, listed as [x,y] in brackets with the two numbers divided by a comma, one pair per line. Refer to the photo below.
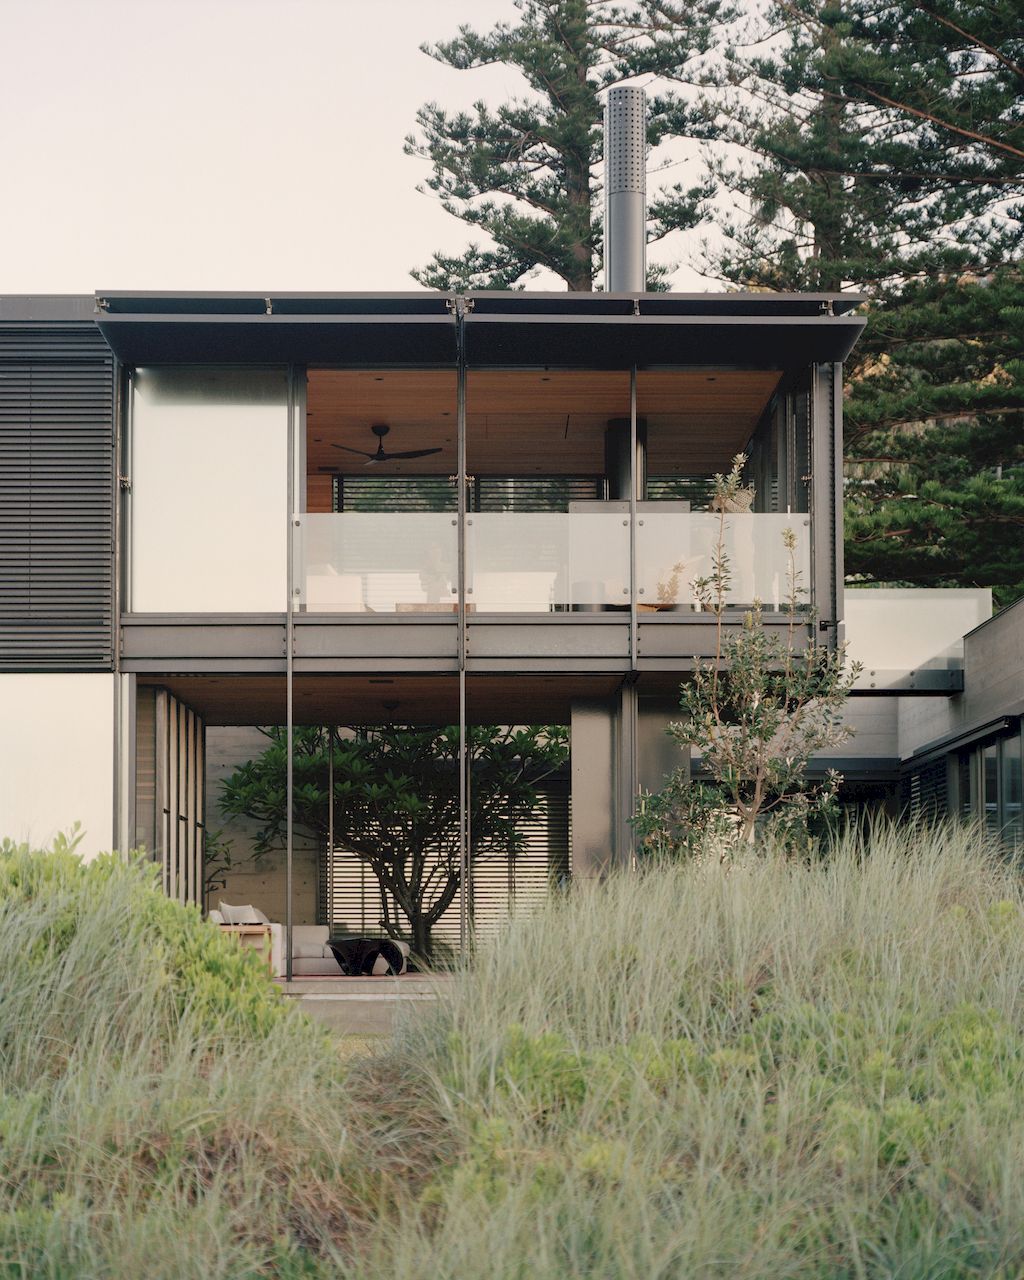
[533,493]
[509,883]
[486,493]
[56,499]
[697,490]
[395,493]
[925,792]
[503,883]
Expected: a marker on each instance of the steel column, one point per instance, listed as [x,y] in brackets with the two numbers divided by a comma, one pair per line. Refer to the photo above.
[289,671]
[464,779]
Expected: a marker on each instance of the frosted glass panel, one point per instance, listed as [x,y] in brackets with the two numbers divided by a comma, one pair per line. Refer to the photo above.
[538,561]
[377,562]
[209,490]
[674,548]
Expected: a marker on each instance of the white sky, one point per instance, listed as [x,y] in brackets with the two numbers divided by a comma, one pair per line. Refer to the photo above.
[227,144]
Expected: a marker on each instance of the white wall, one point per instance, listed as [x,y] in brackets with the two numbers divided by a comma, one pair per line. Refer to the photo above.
[57,758]
[896,630]
[209,496]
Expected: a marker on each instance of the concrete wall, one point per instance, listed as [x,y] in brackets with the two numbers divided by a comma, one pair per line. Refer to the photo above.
[593,762]
[57,758]
[896,631]
[262,881]
[993,685]
[875,724]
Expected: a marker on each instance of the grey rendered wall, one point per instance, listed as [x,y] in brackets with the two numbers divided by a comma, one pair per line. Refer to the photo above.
[993,686]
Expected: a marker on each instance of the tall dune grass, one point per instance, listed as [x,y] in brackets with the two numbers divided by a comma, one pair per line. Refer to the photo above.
[765,1069]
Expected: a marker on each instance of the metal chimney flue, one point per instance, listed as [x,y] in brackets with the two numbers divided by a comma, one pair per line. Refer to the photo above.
[625,190]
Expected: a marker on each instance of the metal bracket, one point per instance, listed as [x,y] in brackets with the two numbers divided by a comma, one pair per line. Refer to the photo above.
[827,307]
[101,304]
[269,305]
[636,306]
[125,484]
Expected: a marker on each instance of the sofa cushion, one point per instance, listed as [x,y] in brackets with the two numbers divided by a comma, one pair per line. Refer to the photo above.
[247,914]
[308,950]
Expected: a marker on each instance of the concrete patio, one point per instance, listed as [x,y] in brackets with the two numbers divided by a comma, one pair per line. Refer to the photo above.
[365,1006]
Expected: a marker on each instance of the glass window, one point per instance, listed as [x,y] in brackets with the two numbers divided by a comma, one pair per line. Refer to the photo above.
[209,490]
[547,452]
[1011,786]
[379,533]
[990,785]
[693,423]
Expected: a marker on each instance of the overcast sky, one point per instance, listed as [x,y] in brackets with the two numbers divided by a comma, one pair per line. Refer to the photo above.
[225,144]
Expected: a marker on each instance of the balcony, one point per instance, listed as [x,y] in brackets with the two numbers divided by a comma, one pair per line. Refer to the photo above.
[543,562]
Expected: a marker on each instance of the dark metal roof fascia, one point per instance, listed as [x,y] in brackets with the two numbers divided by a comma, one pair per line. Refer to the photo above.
[507,302]
[964,738]
[612,341]
[355,339]
[153,303]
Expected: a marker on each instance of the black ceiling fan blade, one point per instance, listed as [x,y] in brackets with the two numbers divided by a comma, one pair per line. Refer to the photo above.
[414,453]
[362,452]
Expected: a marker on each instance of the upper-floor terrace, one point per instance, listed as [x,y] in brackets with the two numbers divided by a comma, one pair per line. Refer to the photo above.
[415,482]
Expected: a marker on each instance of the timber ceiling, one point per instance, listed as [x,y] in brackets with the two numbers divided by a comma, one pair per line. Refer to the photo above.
[369,700]
[532,422]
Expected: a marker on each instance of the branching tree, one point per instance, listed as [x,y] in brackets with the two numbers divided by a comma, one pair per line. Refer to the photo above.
[524,172]
[396,805]
[755,714]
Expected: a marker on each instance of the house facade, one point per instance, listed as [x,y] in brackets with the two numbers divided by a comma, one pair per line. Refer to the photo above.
[236,510]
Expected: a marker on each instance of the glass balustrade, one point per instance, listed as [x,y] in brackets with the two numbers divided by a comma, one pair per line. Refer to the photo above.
[376,562]
[676,549]
[541,562]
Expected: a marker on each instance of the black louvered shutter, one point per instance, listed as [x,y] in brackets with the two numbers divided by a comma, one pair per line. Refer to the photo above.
[924,792]
[56,499]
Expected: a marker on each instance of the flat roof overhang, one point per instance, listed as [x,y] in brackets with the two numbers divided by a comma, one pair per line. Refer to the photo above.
[753,330]
[342,329]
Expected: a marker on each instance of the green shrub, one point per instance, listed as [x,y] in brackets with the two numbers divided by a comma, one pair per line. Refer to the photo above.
[164,1112]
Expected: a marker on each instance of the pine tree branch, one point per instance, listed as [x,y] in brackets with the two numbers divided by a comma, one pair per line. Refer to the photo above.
[985,139]
[973,39]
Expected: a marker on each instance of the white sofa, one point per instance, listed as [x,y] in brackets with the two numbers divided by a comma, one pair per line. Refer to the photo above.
[311,956]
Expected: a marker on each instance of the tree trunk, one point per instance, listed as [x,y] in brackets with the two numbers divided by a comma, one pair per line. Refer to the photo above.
[422,943]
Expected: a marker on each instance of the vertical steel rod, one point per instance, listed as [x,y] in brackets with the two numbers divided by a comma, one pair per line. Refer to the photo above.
[328,896]
[460,320]
[629,703]
[289,663]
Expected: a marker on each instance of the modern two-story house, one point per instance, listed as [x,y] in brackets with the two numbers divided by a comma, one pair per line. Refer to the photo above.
[389,507]
[222,510]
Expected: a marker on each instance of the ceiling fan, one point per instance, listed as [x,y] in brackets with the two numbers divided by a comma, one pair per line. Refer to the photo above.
[382,455]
